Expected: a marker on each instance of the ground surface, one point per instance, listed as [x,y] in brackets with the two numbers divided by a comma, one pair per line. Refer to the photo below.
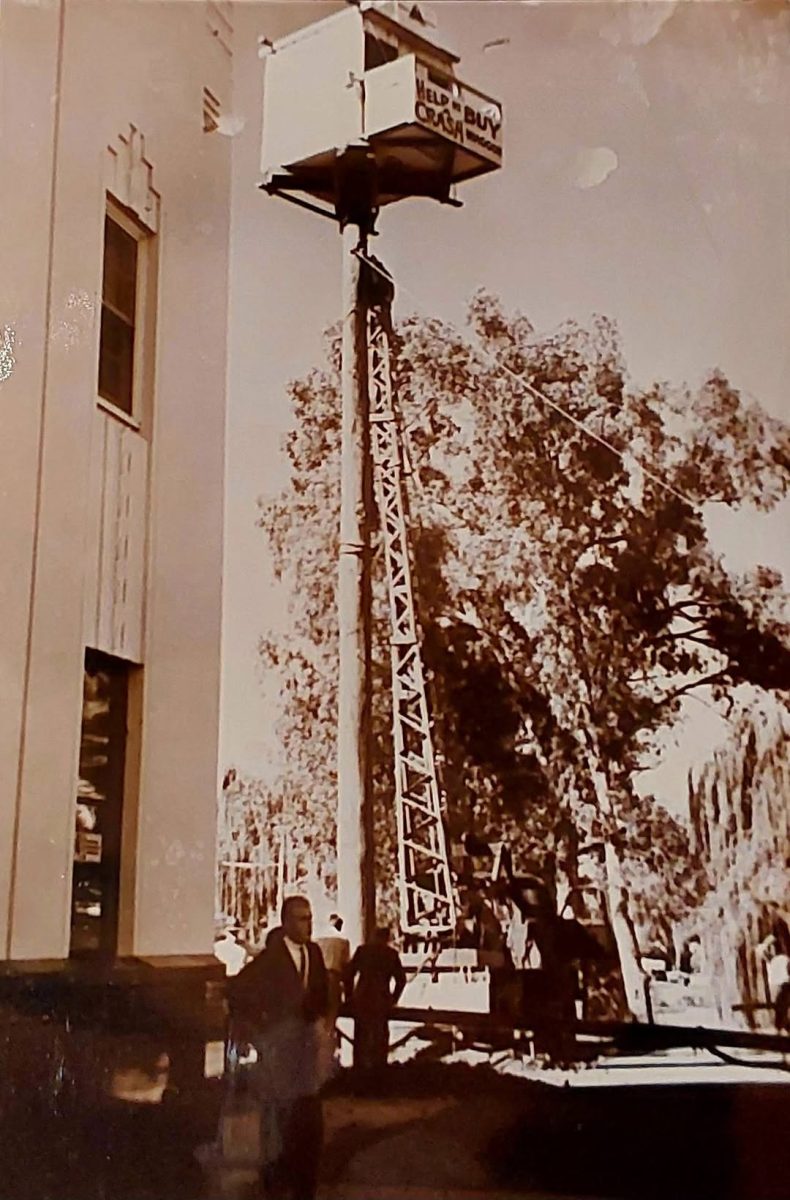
[428,1131]
[706,1141]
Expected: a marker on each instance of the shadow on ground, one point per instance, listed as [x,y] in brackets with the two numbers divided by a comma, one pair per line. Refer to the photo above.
[723,1142]
[690,1142]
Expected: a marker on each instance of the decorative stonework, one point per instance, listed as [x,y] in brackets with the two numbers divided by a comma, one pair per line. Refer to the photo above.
[129,178]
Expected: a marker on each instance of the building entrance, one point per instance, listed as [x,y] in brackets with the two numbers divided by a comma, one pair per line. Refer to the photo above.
[99,807]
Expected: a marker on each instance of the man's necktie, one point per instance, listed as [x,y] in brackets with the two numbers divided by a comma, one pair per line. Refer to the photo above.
[303,965]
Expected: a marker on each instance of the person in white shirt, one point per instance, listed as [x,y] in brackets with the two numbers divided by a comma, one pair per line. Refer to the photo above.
[777,965]
[230,953]
[521,943]
[777,969]
[337,955]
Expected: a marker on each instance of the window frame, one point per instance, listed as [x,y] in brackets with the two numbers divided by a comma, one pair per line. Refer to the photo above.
[144,316]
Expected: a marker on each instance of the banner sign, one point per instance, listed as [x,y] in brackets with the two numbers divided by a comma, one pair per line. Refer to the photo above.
[465,117]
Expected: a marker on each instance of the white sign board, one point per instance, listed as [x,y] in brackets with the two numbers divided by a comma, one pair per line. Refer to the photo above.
[458,113]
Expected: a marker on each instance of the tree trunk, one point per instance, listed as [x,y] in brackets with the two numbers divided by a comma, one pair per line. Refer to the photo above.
[668,939]
[566,866]
[634,979]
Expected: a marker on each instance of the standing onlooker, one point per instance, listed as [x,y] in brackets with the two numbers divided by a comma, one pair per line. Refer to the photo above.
[229,950]
[282,998]
[540,949]
[777,971]
[337,953]
[376,980]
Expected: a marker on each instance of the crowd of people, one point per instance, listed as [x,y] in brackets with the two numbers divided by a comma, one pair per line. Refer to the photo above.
[286,1000]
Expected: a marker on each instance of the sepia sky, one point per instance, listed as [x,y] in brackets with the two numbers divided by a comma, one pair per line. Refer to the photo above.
[647,177]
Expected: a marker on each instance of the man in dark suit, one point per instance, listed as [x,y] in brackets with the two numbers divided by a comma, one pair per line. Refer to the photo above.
[375,981]
[278,1002]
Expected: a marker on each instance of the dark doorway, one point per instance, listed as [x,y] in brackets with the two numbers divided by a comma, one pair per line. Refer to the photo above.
[99,807]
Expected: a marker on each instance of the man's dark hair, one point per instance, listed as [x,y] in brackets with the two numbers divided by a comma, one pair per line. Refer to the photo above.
[383,934]
[291,902]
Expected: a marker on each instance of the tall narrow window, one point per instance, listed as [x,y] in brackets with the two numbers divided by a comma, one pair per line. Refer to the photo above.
[122,319]
[99,807]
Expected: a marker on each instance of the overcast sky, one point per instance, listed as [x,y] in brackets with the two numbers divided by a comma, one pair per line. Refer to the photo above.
[647,177]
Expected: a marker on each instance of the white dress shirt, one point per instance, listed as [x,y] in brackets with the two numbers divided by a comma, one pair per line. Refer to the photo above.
[301,960]
[778,971]
[525,954]
[336,952]
[230,954]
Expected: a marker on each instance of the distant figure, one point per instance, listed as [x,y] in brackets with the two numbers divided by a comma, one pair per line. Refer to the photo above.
[531,936]
[685,959]
[532,950]
[376,980]
[777,969]
[230,951]
[479,929]
[539,985]
[281,998]
[523,938]
[337,953]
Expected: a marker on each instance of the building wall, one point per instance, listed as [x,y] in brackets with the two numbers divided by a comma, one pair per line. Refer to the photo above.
[77,77]
[25,235]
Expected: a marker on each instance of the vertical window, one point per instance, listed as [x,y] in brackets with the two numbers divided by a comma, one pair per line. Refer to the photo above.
[122,332]
[99,806]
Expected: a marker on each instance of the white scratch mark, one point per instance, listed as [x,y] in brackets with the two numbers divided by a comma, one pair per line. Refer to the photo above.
[629,75]
[636,23]
[229,125]
[175,854]
[593,166]
[7,360]
[79,323]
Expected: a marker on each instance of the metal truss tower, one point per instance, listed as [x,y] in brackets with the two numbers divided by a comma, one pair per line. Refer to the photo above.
[425,884]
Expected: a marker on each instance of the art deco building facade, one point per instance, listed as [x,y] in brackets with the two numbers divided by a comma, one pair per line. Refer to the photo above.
[113,303]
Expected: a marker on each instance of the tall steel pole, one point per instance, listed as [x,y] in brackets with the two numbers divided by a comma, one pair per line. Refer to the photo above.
[356,891]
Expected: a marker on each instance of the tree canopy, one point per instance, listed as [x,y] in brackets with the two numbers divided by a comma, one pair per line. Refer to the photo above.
[568,592]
